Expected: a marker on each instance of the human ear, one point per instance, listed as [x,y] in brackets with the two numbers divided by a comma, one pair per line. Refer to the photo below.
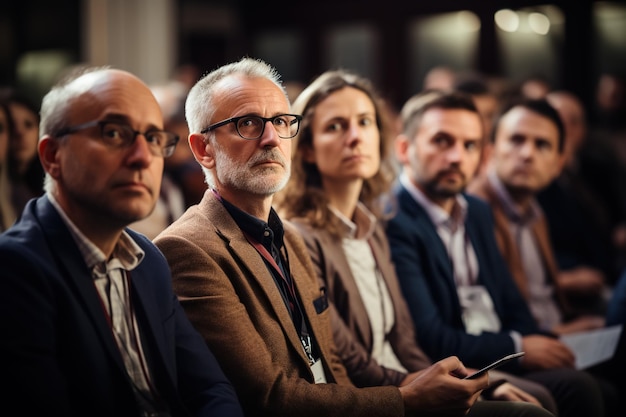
[202,150]
[49,156]
[401,146]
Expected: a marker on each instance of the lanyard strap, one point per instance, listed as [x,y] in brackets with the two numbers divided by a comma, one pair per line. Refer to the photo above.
[269,258]
[293,305]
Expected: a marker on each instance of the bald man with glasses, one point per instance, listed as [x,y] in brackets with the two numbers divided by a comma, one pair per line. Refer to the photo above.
[90,325]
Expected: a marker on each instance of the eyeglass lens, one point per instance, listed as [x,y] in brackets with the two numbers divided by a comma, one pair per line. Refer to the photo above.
[252,127]
[118,135]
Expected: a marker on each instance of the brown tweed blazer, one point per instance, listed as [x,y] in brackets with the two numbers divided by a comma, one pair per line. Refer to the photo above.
[481,188]
[231,298]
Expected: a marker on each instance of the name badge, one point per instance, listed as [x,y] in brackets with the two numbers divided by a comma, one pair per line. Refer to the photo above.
[479,314]
[318,372]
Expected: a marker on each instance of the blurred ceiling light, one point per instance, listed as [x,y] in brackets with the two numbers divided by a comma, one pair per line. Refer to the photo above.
[555,15]
[507,20]
[539,23]
[609,11]
[468,20]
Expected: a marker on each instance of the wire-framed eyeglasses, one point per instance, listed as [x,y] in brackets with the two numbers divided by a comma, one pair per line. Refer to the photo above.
[120,135]
[251,127]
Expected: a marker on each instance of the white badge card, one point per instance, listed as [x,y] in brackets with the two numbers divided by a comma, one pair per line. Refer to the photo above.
[478,312]
[318,372]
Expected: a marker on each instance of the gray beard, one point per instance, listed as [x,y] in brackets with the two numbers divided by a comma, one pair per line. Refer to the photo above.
[249,179]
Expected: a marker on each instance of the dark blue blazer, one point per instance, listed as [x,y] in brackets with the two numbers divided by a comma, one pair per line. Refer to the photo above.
[427,280]
[59,354]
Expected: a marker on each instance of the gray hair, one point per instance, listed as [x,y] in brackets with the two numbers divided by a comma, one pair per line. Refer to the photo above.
[56,105]
[200,105]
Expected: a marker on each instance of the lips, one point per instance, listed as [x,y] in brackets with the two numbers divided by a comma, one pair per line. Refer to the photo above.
[354,157]
[523,171]
[450,173]
[132,185]
[268,162]
[268,158]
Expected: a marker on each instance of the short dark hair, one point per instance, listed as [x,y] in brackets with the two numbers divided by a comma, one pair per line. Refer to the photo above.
[474,85]
[539,106]
[416,106]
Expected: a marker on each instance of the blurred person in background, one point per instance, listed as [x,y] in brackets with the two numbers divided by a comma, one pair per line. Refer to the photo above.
[487,103]
[25,170]
[7,214]
[578,214]
[439,77]
[528,145]
[535,87]
[172,202]
[609,114]
[181,167]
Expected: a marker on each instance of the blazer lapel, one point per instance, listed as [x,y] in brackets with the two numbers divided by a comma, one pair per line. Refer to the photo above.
[72,267]
[247,256]
[421,221]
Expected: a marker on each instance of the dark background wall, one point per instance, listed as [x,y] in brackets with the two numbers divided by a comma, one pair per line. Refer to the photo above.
[302,30]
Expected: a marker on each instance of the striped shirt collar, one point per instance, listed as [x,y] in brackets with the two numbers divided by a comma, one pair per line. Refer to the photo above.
[127,254]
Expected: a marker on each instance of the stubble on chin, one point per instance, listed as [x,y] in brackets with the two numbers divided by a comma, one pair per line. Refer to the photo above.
[441,191]
[252,177]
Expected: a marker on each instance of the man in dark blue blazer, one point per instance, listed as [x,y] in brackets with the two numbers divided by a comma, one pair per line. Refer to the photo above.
[90,325]
[461,295]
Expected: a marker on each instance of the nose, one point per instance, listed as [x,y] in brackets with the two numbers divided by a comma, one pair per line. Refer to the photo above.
[139,153]
[354,134]
[527,149]
[270,137]
[455,152]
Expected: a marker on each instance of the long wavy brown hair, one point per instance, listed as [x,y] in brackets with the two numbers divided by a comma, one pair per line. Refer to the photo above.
[303,196]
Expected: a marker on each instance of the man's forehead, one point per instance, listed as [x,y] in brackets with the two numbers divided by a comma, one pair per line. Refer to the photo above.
[520,114]
[241,91]
[449,116]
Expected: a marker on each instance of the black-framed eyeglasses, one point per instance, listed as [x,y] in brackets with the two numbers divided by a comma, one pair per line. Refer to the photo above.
[121,135]
[252,127]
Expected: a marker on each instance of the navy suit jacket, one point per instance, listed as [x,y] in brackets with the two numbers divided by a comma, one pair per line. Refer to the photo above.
[59,354]
[427,281]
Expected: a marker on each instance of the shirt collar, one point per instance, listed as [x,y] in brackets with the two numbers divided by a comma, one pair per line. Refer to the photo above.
[127,254]
[361,226]
[257,229]
[512,210]
[436,214]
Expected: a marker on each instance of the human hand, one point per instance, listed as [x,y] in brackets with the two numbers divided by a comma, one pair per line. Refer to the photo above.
[409,378]
[440,389]
[580,324]
[581,280]
[510,392]
[543,352]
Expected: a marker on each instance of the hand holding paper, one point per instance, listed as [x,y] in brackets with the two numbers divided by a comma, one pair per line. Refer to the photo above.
[593,346]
